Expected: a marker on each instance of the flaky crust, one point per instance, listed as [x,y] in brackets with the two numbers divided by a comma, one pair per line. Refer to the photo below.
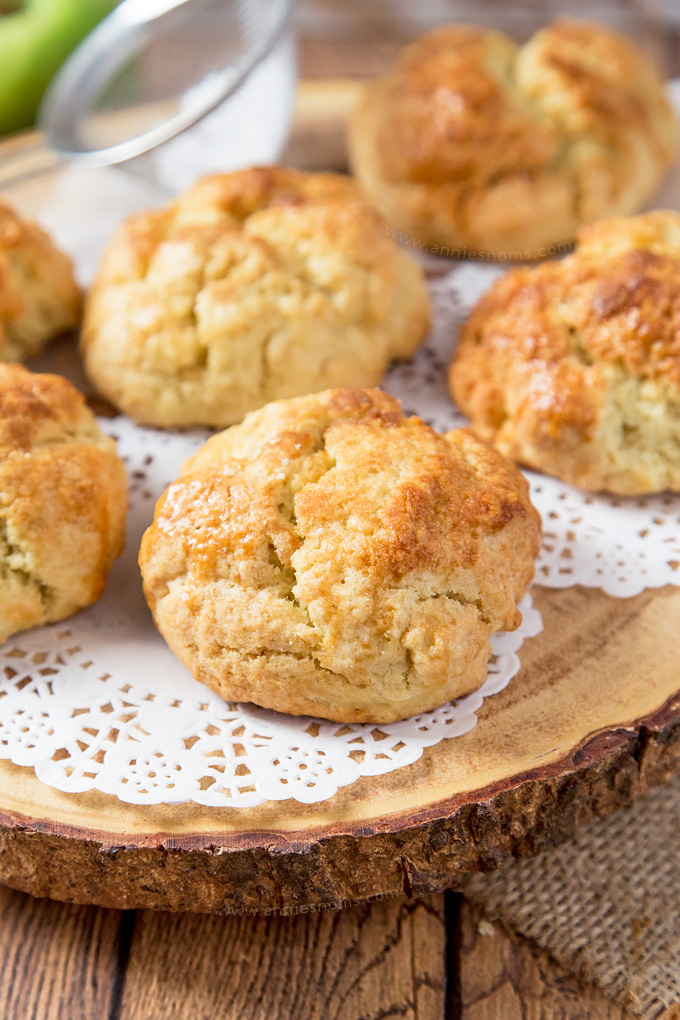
[473,144]
[39,297]
[573,367]
[255,285]
[330,556]
[62,501]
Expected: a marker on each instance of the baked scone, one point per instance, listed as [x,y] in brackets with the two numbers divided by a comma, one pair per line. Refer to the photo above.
[473,145]
[62,501]
[39,297]
[573,367]
[255,285]
[330,556]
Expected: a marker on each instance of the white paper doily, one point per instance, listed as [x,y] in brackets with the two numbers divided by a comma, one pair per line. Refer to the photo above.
[620,544]
[99,701]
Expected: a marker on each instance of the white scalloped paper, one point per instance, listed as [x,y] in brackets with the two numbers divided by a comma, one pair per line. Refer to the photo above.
[99,701]
[149,735]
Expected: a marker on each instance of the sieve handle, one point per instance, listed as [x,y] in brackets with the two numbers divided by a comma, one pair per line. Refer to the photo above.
[25,156]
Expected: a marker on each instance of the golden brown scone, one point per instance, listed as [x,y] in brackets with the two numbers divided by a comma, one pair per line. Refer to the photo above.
[39,297]
[62,501]
[252,286]
[331,557]
[573,367]
[473,144]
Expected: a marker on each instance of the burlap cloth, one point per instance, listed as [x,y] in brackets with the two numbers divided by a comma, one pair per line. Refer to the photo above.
[607,905]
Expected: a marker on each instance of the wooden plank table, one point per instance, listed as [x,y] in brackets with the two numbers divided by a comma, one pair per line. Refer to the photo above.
[434,958]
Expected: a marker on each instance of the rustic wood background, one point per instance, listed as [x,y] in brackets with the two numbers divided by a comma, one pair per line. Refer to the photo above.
[419,959]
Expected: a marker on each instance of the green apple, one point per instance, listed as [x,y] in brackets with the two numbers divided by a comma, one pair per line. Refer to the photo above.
[36,37]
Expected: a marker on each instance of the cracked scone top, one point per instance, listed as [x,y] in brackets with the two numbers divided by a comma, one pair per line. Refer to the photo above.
[62,501]
[471,143]
[252,286]
[39,297]
[330,556]
[573,367]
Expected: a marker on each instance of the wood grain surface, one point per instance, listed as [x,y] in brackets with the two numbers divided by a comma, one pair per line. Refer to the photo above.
[504,977]
[380,959]
[591,721]
[57,961]
[430,958]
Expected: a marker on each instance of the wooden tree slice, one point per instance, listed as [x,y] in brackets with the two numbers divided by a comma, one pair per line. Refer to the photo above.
[591,721]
